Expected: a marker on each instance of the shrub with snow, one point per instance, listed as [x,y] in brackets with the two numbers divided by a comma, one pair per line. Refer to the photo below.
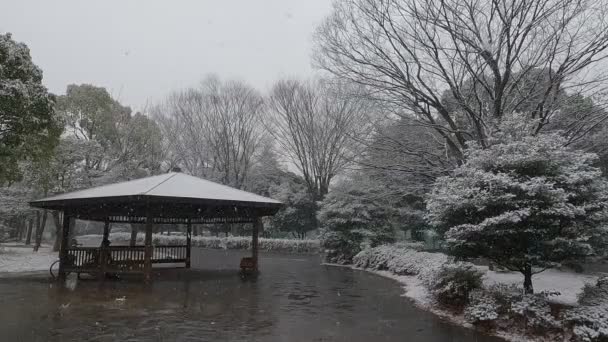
[483,308]
[453,283]
[535,313]
[590,323]
[508,308]
[595,294]
[590,319]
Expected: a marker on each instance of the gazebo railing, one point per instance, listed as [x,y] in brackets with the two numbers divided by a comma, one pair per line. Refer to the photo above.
[169,254]
[121,258]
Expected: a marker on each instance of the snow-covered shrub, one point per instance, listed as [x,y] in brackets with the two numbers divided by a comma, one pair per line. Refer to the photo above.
[595,294]
[400,259]
[483,308]
[590,320]
[339,247]
[514,309]
[453,283]
[503,295]
[354,215]
[374,258]
[590,323]
[534,312]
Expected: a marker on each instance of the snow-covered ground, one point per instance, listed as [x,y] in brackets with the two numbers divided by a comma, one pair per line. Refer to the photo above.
[568,284]
[24,259]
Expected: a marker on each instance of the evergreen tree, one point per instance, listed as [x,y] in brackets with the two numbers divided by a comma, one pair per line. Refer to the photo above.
[526,203]
[298,214]
[28,126]
[355,213]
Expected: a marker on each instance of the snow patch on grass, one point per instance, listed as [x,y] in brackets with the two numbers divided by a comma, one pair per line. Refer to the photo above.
[568,284]
[24,259]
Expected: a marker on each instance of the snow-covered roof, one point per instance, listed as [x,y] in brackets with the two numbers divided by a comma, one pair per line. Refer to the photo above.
[175,185]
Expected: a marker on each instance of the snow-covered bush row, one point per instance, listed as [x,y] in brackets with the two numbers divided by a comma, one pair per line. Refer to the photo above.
[400,259]
[231,242]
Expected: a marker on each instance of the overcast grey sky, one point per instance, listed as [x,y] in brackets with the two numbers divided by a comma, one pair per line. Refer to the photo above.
[141,50]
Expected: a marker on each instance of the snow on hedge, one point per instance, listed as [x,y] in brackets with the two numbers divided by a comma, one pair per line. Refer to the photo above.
[231,242]
[400,259]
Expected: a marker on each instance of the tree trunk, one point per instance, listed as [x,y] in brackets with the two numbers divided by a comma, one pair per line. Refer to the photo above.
[40,231]
[72,231]
[37,229]
[30,226]
[20,230]
[134,229]
[528,289]
[58,230]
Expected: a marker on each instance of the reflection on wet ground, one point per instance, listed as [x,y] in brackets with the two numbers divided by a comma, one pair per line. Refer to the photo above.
[293,299]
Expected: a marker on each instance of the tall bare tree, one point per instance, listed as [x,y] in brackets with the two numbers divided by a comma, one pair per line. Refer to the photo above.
[317,124]
[215,130]
[459,66]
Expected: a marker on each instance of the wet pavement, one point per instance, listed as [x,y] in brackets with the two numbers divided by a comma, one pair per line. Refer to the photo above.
[293,299]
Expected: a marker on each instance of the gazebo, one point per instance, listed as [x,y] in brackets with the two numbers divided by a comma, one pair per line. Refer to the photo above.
[172,198]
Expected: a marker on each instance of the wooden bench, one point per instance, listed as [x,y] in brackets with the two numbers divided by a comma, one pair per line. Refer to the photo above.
[248,265]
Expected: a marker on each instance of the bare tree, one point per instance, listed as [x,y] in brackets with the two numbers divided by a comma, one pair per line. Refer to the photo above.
[405,155]
[459,66]
[317,125]
[214,130]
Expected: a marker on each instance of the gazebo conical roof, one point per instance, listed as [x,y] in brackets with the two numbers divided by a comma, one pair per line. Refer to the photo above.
[169,198]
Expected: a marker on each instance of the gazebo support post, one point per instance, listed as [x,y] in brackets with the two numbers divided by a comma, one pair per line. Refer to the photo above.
[148,249]
[103,255]
[106,231]
[257,226]
[188,242]
[63,250]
